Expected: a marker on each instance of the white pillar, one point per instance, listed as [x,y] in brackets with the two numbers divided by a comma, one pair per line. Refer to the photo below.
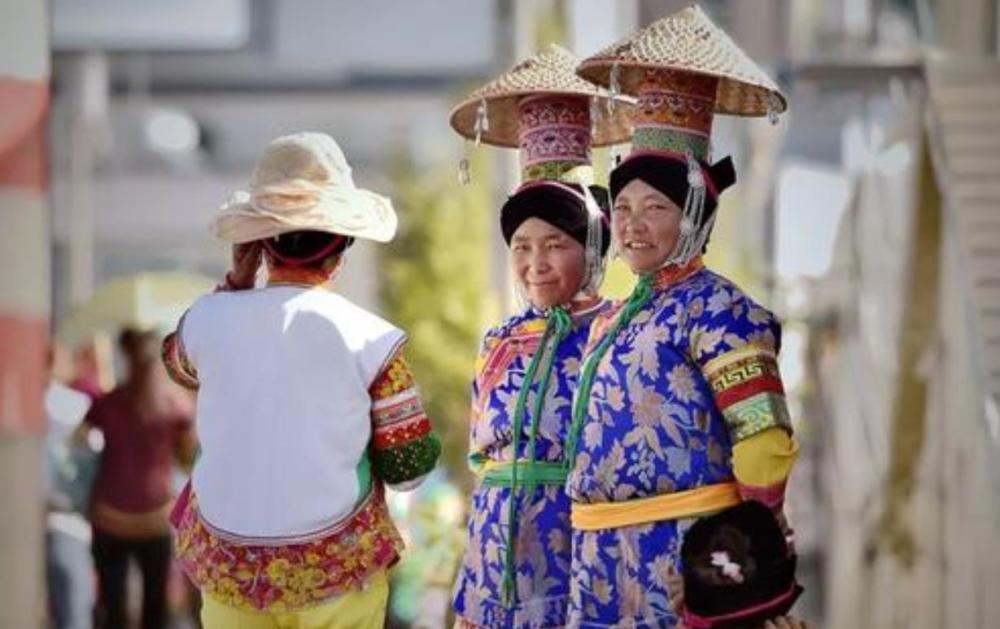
[88,96]
[24,305]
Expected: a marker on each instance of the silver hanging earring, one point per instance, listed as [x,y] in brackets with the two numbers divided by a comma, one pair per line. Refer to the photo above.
[614,89]
[687,226]
[595,114]
[481,126]
[464,176]
[616,155]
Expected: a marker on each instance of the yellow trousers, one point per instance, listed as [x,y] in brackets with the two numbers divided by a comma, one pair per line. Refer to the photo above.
[364,609]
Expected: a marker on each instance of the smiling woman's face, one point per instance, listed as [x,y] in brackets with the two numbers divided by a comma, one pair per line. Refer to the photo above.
[645,225]
[547,263]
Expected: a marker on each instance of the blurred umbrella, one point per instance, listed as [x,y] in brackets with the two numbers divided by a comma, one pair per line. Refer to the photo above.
[152,300]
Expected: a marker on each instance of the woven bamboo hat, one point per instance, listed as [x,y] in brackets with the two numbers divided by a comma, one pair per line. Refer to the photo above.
[493,111]
[687,41]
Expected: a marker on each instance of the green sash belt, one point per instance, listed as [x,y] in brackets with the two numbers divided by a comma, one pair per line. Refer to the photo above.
[500,474]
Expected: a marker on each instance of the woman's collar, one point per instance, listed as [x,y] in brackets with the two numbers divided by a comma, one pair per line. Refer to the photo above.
[673,273]
[580,306]
[307,278]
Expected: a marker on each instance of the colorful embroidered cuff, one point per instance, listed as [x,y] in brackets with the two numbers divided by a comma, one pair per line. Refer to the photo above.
[401,432]
[179,368]
[404,446]
[397,411]
[408,461]
[748,390]
[751,416]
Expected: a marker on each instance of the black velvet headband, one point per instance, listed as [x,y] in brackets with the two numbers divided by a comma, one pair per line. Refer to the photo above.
[668,173]
[559,204]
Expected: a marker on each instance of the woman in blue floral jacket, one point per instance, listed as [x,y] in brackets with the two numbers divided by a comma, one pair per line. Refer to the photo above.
[680,409]
[515,572]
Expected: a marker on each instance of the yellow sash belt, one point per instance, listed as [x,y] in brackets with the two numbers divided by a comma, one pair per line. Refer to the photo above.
[682,504]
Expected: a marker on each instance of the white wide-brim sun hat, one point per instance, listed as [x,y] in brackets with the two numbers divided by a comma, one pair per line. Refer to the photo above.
[303,182]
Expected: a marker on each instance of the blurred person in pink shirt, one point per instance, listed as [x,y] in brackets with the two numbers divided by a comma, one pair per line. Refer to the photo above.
[147,426]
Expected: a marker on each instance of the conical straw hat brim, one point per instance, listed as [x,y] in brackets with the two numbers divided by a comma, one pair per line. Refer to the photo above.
[689,41]
[552,71]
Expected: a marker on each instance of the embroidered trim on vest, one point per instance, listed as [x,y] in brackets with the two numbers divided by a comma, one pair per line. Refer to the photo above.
[289,577]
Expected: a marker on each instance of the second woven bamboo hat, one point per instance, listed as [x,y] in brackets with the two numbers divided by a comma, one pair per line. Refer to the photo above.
[687,41]
[496,105]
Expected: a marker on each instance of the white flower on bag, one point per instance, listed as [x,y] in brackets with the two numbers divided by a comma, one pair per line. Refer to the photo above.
[729,567]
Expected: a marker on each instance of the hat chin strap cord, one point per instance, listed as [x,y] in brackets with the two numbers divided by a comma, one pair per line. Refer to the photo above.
[593,261]
[691,240]
[482,125]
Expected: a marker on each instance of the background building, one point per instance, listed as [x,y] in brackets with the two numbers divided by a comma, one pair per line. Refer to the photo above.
[867,218]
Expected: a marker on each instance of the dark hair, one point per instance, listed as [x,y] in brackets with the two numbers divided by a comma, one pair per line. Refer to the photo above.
[559,205]
[305,248]
[749,545]
[131,339]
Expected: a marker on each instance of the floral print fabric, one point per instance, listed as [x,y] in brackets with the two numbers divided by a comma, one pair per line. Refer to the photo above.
[543,540]
[653,426]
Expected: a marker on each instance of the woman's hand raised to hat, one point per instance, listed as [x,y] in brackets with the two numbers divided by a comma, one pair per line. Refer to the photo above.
[246,260]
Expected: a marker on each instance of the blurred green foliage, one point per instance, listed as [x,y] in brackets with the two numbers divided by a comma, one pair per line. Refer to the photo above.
[436,287]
